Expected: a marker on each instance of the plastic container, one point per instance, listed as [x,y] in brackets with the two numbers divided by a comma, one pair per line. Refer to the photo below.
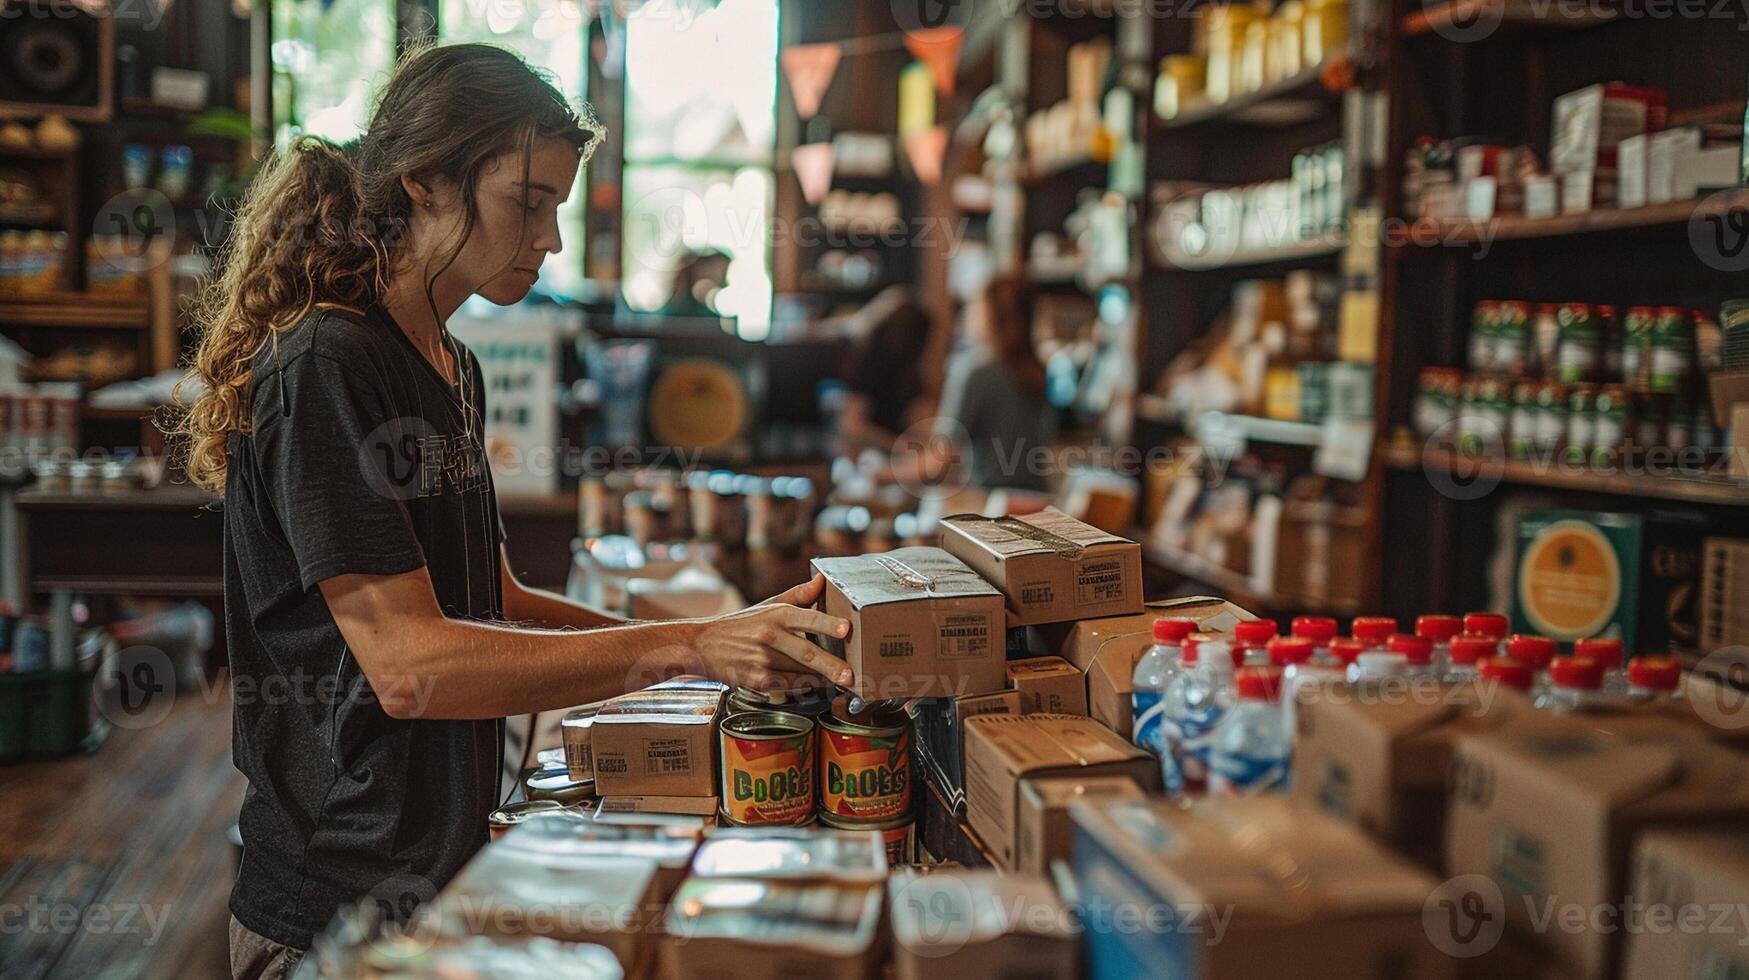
[1439,630]
[1252,747]
[1608,652]
[1511,673]
[1153,672]
[1467,651]
[1575,683]
[1194,704]
[1654,679]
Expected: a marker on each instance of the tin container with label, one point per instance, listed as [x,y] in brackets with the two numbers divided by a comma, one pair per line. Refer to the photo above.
[511,814]
[898,836]
[1521,437]
[807,702]
[767,768]
[1581,351]
[1636,342]
[556,784]
[865,763]
[1670,357]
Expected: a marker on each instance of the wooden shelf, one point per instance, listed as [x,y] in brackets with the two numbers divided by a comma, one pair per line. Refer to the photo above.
[1239,588]
[76,311]
[1475,20]
[1297,99]
[1309,250]
[1683,488]
[1433,234]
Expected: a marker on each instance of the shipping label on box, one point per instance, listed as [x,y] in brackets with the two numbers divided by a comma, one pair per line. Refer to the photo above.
[1004,750]
[1049,566]
[1050,685]
[1043,831]
[922,624]
[656,742]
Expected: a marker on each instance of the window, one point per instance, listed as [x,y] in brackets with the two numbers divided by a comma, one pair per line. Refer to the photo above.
[701,97]
[329,60]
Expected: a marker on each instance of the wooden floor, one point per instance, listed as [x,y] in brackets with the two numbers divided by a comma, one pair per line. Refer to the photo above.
[115,864]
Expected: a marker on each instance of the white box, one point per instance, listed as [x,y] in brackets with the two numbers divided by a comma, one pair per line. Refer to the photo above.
[1542,196]
[1479,198]
[1661,158]
[1587,190]
[1631,160]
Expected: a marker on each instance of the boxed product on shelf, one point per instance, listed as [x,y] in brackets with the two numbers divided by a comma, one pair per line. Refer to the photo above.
[978,923]
[1690,888]
[1584,573]
[1106,650]
[940,727]
[1724,617]
[1004,751]
[1049,685]
[1042,829]
[1049,567]
[1319,544]
[658,742]
[1347,906]
[1590,122]
[733,927]
[1552,820]
[922,624]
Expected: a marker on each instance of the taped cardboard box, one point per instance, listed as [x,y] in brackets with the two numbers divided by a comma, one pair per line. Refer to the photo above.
[1378,757]
[1249,887]
[922,624]
[1003,751]
[1043,828]
[1106,650]
[567,833]
[574,729]
[1048,684]
[657,742]
[1050,567]
[677,813]
[939,725]
[732,928]
[978,923]
[1690,888]
[1552,819]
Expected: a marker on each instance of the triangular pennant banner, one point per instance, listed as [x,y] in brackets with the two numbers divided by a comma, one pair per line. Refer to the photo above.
[813,164]
[809,68]
[927,148]
[939,48]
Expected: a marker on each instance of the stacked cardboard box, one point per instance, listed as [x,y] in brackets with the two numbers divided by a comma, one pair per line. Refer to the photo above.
[660,741]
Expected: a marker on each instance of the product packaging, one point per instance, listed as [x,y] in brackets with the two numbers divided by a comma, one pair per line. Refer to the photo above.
[1049,566]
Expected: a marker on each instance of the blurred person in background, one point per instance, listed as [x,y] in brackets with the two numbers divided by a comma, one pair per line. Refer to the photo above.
[884,377]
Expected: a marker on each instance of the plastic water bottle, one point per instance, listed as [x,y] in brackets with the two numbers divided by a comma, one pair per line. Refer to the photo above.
[1467,651]
[1654,680]
[1439,630]
[1320,630]
[1376,665]
[1537,651]
[1194,703]
[1506,672]
[1251,639]
[1575,683]
[1344,651]
[1158,666]
[1372,630]
[1251,748]
[1608,652]
[1417,654]
[1293,654]
[1488,624]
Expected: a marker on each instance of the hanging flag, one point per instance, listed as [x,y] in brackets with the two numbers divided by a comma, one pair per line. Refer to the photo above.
[939,48]
[809,68]
[813,166]
[916,99]
[927,148]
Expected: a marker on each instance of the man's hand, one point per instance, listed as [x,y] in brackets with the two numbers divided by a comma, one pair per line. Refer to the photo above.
[762,647]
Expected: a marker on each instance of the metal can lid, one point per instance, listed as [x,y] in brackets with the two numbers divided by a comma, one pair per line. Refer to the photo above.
[767,724]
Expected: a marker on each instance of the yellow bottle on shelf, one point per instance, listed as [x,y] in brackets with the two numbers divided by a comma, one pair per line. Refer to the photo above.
[1326,29]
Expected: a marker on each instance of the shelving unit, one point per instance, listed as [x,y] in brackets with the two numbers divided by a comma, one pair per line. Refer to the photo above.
[1295,253]
[1239,588]
[1675,487]
[1291,101]
[1474,20]
[1649,218]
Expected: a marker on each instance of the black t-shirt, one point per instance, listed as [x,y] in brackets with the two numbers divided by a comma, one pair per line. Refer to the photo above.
[360,458]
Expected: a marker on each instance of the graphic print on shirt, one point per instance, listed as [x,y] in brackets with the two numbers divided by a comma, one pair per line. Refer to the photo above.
[407,458]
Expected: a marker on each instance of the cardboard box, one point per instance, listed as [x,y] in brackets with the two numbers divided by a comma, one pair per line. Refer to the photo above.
[1663,150]
[1043,830]
[1002,751]
[1699,172]
[1552,820]
[574,729]
[1048,684]
[1590,122]
[1255,887]
[1106,650]
[1682,881]
[1380,763]
[1050,567]
[730,928]
[793,853]
[1632,158]
[939,727]
[660,741]
[922,624]
[977,923]
[568,833]
[691,813]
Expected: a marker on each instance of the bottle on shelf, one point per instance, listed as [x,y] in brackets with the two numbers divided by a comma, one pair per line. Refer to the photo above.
[1505,671]
[1536,651]
[1372,630]
[1299,668]
[1439,630]
[1488,624]
[1376,665]
[1251,639]
[1417,652]
[1654,680]
[1574,683]
[1320,630]
[1194,703]
[1467,651]
[1156,668]
[1251,748]
[1345,650]
[1608,652]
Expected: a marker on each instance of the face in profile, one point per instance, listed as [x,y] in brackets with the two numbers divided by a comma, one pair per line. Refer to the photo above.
[516,226]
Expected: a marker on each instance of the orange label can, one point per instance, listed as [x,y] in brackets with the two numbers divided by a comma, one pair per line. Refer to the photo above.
[768,768]
[865,765]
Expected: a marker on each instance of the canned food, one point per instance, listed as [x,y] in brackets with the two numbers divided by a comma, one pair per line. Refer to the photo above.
[1512,337]
[807,702]
[1636,341]
[1670,358]
[898,836]
[511,814]
[1526,410]
[556,784]
[1581,423]
[1482,323]
[1551,420]
[768,768]
[1581,342]
[865,763]
[1610,425]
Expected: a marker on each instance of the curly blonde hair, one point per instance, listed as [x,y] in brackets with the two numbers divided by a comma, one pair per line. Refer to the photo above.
[321,223]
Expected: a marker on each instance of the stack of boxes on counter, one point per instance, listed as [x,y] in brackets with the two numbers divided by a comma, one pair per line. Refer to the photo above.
[1582,385]
[1016,702]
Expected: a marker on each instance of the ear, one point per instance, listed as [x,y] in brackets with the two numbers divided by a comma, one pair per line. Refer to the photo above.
[417,192]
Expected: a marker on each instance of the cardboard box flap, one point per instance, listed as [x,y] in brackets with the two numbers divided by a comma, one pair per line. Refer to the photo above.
[1049,532]
[659,706]
[901,575]
[1593,767]
[1047,742]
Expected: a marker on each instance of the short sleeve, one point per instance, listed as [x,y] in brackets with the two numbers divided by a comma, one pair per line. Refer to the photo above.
[338,469]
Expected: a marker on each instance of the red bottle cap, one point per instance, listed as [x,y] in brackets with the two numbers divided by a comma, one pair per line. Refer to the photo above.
[1284,650]
[1319,629]
[1486,623]
[1578,673]
[1418,650]
[1538,651]
[1347,649]
[1439,629]
[1512,673]
[1470,648]
[1607,651]
[1187,655]
[1372,630]
[1254,633]
[1258,683]
[1173,630]
[1656,673]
